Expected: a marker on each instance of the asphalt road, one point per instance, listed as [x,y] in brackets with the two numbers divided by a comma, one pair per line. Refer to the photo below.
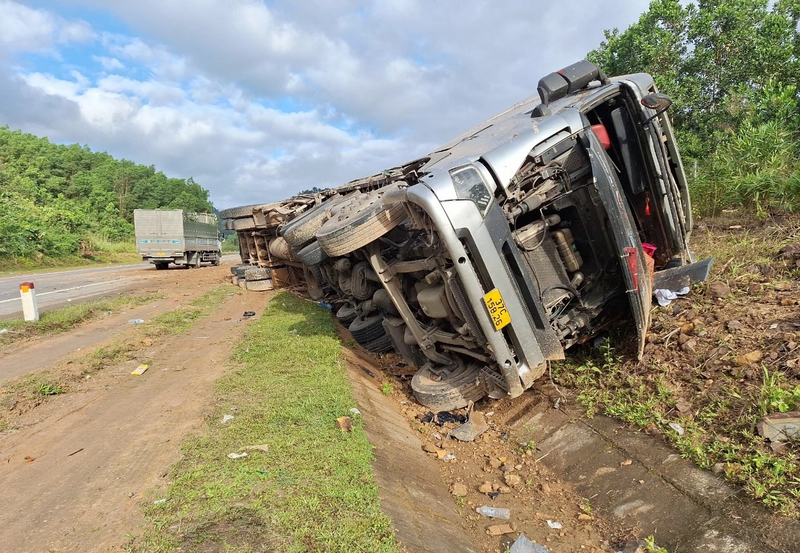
[55,289]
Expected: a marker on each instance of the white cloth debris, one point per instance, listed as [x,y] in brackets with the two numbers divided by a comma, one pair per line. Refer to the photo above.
[665,297]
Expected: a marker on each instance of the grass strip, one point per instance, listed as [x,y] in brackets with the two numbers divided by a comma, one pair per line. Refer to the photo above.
[314,489]
[66,318]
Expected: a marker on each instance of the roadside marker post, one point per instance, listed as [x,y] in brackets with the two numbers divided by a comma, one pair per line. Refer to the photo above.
[30,309]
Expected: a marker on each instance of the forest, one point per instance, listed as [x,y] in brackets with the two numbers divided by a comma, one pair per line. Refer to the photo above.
[731,68]
[67,201]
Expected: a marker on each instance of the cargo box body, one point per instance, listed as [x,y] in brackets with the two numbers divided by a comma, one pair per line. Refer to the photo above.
[173,236]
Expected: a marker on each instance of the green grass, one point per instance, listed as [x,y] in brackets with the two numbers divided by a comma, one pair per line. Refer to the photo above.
[67,318]
[180,320]
[314,490]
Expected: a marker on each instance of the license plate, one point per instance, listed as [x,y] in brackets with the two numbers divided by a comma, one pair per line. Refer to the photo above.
[497,309]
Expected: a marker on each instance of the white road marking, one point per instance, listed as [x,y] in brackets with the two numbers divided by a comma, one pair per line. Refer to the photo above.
[58,291]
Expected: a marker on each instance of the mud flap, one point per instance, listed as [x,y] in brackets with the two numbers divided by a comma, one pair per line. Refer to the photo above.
[679,277]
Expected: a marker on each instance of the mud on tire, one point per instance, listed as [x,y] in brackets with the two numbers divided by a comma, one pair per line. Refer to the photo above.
[256,273]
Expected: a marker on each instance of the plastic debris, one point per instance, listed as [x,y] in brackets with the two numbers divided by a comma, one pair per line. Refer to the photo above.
[345,424]
[226,419]
[249,314]
[677,428]
[554,525]
[140,370]
[324,305]
[160,501]
[441,418]
[449,457]
[237,455]
[494,512]
[524,545]
[665,297]
[135,321]
[355,411]
[474,427]
[3,331]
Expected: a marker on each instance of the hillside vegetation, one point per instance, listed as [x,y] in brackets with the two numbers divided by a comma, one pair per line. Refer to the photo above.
[732,69]
[62,202]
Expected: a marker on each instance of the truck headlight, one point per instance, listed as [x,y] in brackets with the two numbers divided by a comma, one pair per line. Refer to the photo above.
[469,185]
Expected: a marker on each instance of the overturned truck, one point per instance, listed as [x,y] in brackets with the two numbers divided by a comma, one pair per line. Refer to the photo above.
[486,259]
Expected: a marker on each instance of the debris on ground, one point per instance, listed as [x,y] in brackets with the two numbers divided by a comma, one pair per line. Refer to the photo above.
[493,512]
[499,529]
[135,321]
[780,427]
[666,297]
[140,370]
[345,424]
[160,501]
[554,525]
[441,418]
[459,490]
[524,545]
[474,427]
[355,411]
[226,419]
[248,314]
[677,428]
[237,455]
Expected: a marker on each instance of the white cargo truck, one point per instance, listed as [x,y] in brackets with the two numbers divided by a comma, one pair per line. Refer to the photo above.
[174,236]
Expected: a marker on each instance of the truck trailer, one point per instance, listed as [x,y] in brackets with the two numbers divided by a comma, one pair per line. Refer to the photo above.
[174,236]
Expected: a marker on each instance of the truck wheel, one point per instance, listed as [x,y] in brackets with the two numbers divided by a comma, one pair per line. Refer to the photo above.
[160,266]
[359,221]
[235,212]
[259,285]
[300,231]
[196,262]
[312,254]
[216,262]
[453,391]
[366,329]
[256,273]
[347,314]
[379,345]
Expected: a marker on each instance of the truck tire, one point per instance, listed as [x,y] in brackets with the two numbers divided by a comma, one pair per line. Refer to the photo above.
[358,222]
[454,391]
[235,280]
[347,314]
[259,285]
[300,231]
[366,329]
[379,345]
[236,212]
[253,274]
[311,254]
[244,223]
[239,266]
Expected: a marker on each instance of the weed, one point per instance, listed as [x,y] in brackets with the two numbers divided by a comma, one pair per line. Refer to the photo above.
[387,388]
[651,547]
[49,389]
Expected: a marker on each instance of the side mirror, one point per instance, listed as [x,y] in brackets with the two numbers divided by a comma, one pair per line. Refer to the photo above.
[658,102]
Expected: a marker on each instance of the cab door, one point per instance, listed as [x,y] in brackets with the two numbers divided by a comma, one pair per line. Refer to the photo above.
[630,255]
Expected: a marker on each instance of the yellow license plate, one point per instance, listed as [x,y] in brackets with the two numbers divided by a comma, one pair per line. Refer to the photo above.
[497,309]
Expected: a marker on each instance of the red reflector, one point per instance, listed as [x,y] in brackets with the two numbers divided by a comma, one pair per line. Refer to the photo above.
[633,267]
[602,135]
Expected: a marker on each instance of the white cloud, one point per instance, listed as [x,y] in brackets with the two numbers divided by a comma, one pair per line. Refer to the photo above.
[109,64]
[25,29]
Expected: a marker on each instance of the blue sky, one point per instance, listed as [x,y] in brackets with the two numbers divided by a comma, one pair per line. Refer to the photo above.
[258,100]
